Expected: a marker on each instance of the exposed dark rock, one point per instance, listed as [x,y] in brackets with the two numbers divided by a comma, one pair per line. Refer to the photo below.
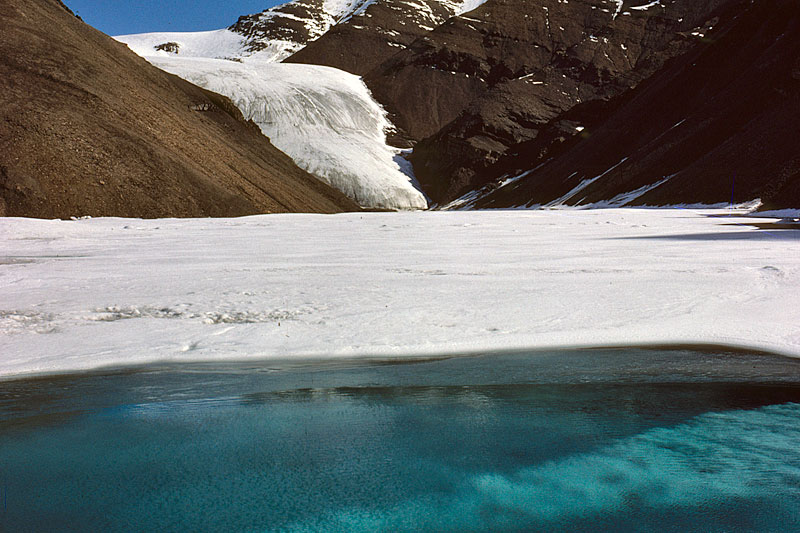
[558,86]
[525,64]
[89,128]
[721,122]
[170,47]
[362,42]
[299,22]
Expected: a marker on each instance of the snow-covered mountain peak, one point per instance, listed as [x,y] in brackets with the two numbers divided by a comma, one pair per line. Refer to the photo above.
[278,32]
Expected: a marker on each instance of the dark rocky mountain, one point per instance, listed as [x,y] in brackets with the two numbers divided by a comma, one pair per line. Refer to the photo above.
[720,123]
[368,37]
[498,91]
[291,26]
[296,22]
[511,66]
[362,42]
[89,128]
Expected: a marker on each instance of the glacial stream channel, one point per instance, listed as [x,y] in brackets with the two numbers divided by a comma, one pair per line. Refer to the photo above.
[611,439]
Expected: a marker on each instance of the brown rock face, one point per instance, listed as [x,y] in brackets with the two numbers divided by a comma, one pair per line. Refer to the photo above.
[299,22]
[363,41]
[526,64]
[720,123]
[89,128]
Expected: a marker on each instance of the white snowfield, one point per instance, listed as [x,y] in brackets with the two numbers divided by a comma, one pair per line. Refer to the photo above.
[325,119]
[103,292]
[215,43]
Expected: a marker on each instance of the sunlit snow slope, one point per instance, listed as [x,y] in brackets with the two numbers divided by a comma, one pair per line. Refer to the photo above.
[323,118]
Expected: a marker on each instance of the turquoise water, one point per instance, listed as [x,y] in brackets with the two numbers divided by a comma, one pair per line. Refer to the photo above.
[580,440]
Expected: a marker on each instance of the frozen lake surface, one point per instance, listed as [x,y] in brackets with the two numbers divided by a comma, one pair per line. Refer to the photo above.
[571,440]
[84,294]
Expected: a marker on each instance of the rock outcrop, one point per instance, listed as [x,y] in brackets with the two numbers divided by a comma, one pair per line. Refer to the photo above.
[366,38]
[720,123]
[509,68]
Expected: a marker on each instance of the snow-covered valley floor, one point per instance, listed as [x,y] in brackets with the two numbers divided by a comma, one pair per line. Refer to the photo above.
[90,293]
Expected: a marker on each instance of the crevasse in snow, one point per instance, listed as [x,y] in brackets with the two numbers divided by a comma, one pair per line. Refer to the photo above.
[323,118]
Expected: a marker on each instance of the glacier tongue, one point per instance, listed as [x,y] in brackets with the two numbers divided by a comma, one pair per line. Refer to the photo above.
[323,118]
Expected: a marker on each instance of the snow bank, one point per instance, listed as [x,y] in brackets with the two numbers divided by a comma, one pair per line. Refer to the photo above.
[324,118]
[88,293]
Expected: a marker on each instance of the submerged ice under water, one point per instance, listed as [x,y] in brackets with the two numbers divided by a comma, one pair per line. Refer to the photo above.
[612,439]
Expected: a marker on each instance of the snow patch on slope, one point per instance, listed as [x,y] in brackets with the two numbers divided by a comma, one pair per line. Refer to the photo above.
[323,118]
[467,6]
[262,29]
[344,10]
[581,186]
[647,6]
[625,198]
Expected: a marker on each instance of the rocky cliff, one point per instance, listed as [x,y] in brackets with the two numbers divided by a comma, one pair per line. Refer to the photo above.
[512,66]
[720,123]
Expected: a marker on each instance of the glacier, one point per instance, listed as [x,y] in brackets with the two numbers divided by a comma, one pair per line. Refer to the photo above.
[90,293]
[325,119]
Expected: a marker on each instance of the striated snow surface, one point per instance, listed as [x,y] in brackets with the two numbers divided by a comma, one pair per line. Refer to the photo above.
[88,293]
[325,119]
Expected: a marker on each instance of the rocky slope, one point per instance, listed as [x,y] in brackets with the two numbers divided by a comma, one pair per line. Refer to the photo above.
[369,36]
[89,128]
[509,68]
[718,124]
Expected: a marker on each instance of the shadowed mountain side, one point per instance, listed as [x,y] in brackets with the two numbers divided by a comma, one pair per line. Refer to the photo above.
[89,128]
[718,124]
[510,67]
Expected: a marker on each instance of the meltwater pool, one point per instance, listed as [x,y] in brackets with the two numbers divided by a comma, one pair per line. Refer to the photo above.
[624,439]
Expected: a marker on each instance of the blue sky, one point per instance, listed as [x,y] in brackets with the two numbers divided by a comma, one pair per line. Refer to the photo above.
[118,17]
